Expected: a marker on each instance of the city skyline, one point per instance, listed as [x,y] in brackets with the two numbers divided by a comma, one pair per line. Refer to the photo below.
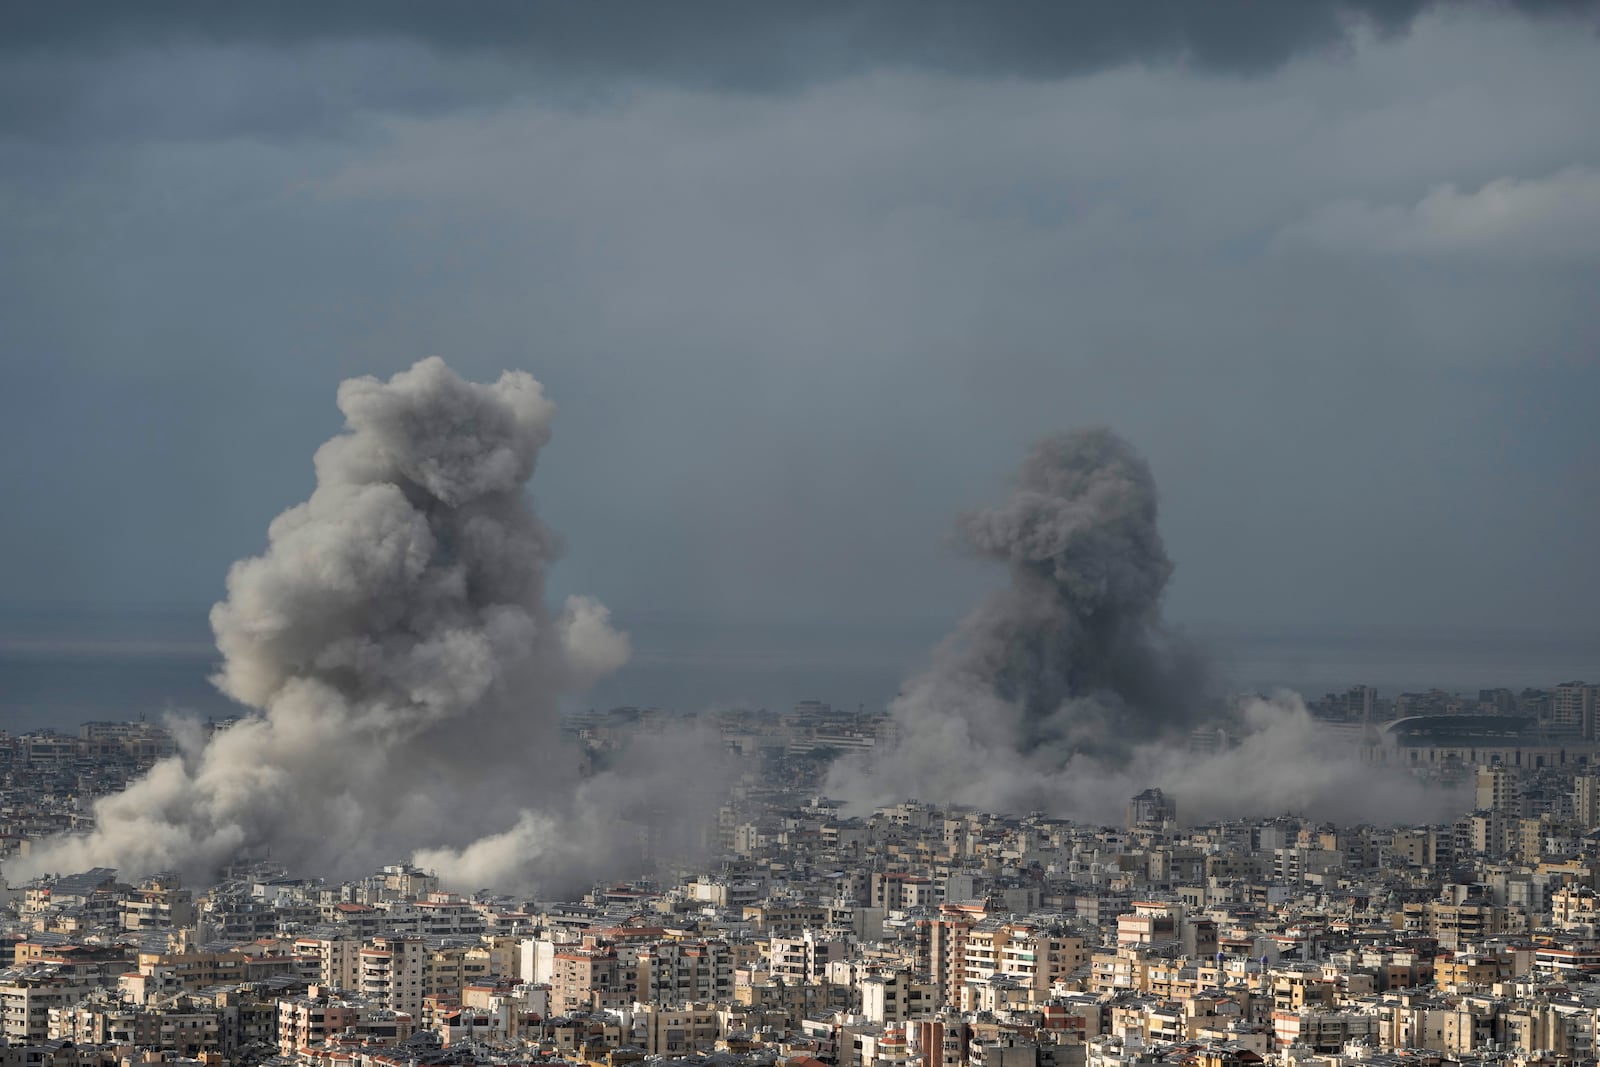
[401,613]
[851,533]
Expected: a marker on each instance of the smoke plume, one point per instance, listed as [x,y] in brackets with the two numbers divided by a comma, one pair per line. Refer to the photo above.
[1064,692]
[404,669]
[1069,658]
[1279,760]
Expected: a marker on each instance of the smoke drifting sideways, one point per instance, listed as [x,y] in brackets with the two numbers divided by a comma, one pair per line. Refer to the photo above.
[395,641]
[1065,692]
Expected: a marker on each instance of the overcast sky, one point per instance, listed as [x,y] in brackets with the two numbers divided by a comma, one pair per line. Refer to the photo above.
[804,281]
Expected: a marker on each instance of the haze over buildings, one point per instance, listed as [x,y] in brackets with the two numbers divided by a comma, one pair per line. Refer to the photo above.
[973,415]
[914,935]
[404,672]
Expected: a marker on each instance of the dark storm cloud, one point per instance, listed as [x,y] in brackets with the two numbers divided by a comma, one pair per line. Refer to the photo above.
[67,68]
[1345,308]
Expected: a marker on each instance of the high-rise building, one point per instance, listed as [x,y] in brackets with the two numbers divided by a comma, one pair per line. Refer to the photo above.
[1360,704]
[897,996]
[338,960]
[392,973]
[942,1041]
[1503,701]
[1496,790]
[1153,809]
[1572,708]
[1586,799]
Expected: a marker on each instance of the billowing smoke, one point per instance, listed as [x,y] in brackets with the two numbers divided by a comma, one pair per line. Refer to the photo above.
[1283,760]
[405,670]
[1064,692]
[656,800]
[1070,658]
[1279,760]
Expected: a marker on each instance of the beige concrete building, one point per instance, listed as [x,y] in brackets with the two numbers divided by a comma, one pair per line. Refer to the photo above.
[393,973]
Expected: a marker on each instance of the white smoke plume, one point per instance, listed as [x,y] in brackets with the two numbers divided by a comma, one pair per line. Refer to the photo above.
[656,801]
[1282,762]
[1064,691]
[405,670]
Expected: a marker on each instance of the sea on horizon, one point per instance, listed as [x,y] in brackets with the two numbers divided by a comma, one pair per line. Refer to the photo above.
[59,677]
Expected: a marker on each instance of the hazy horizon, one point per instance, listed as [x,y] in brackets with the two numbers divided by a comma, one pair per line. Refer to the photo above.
[62,666]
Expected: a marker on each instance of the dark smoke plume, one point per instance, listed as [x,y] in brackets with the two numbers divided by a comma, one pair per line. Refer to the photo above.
[1064,691]
[1069,659]
[1075,642]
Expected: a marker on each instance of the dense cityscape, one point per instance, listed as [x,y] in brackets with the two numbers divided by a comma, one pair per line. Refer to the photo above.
[915,935]
[842,533]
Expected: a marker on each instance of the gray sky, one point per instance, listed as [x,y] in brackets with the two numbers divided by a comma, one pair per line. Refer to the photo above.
[806,279]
